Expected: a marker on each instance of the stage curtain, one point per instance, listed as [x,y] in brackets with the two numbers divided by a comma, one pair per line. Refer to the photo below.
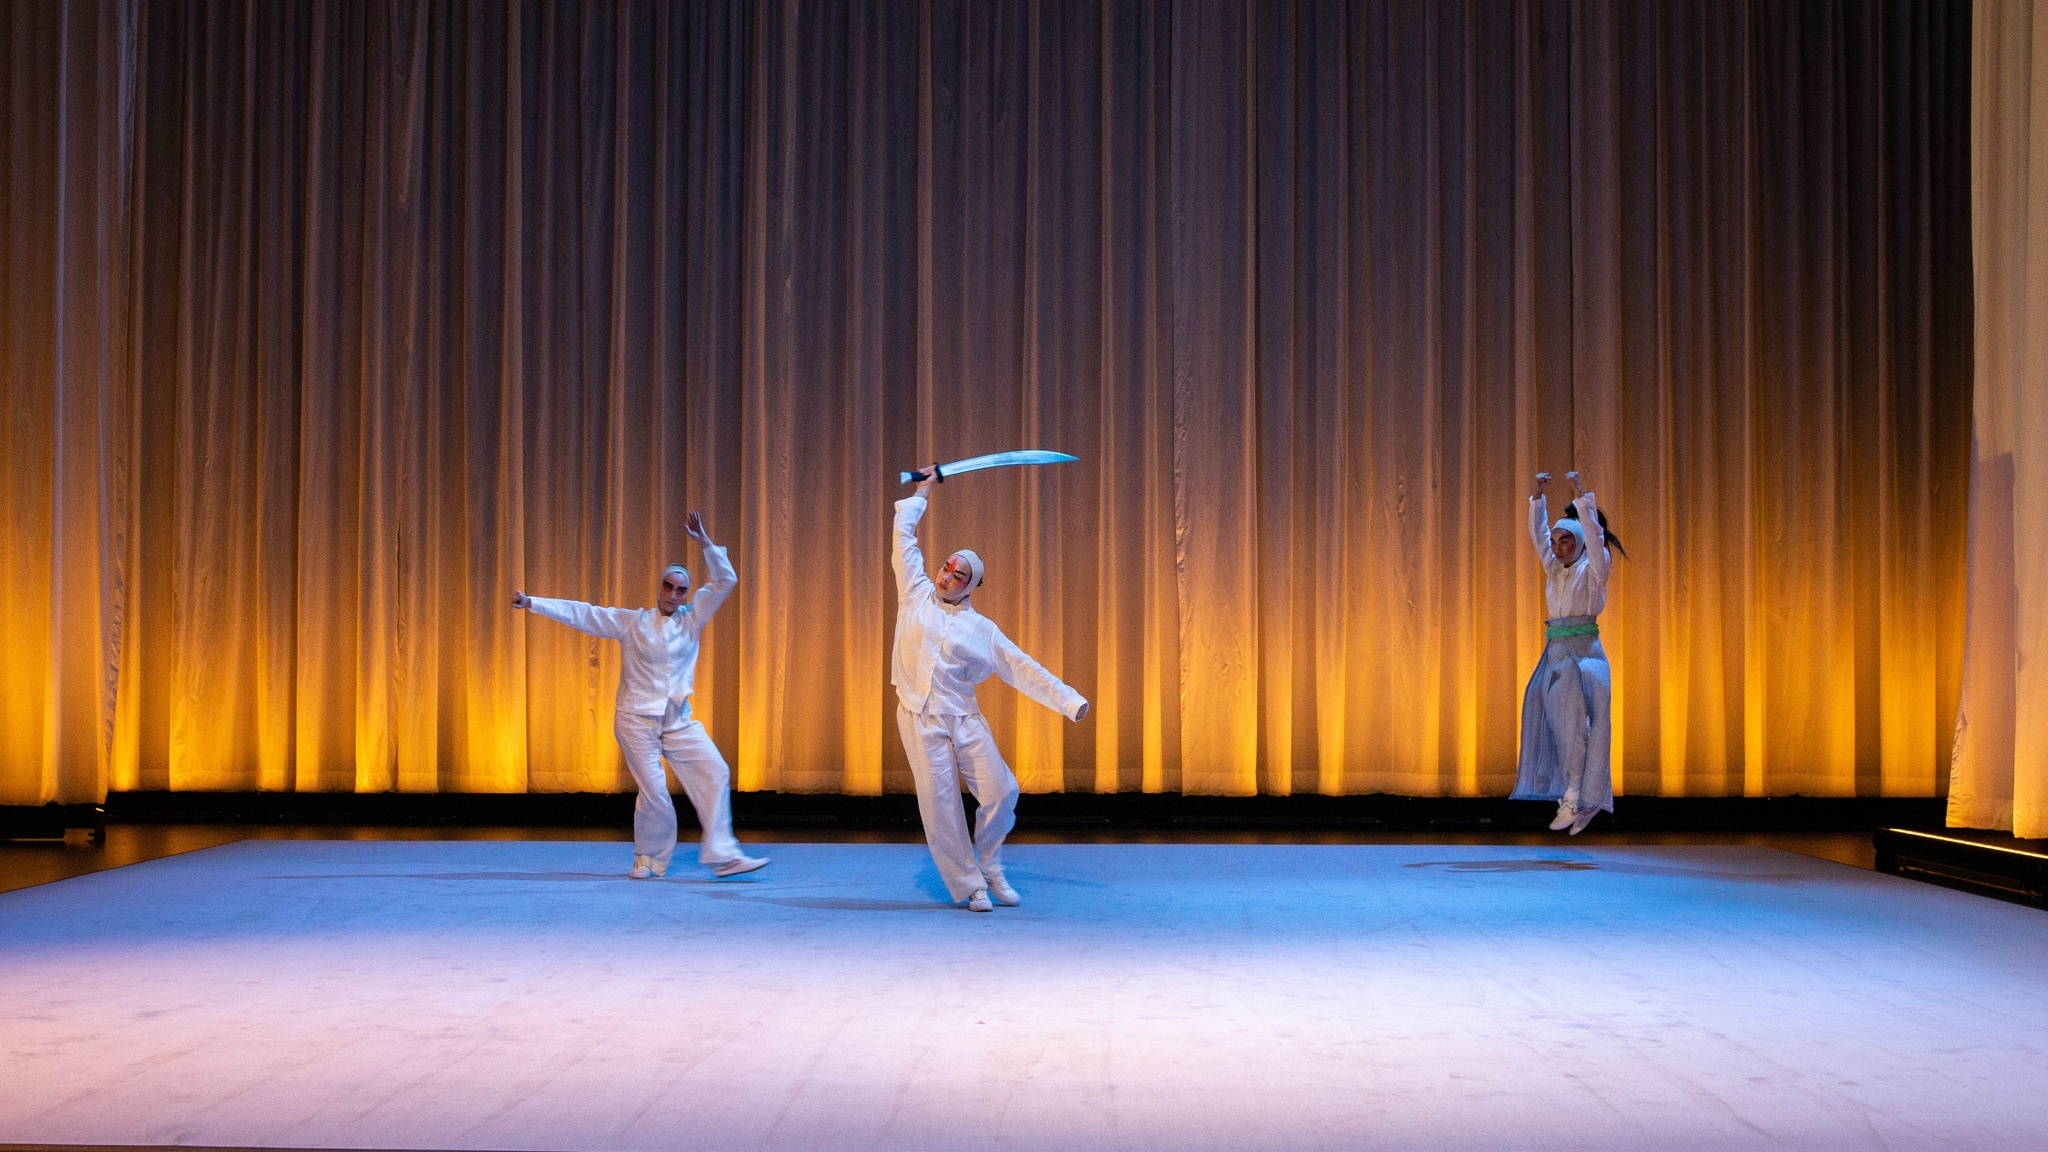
[436,301]
[68,481]
[2001,749]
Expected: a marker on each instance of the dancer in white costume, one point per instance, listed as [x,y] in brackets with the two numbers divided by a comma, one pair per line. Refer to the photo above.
[657,675]
[1566,722]
[943,649]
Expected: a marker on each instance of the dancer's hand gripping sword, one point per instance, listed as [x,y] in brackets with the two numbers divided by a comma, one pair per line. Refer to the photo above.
[939,472]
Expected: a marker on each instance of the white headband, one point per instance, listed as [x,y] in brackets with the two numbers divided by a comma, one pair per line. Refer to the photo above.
[1574,527]
[673,568]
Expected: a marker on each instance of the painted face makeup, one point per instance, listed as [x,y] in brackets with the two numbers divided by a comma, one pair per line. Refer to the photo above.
[952,589]
[675,588]
[1564,544]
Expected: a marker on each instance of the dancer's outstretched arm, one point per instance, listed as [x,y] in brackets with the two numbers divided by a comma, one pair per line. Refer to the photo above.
[608,623]
[1539,522]
[1028,676]
[907,557]
[719,577]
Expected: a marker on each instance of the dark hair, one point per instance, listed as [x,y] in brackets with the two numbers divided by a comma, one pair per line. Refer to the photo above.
[1571,512]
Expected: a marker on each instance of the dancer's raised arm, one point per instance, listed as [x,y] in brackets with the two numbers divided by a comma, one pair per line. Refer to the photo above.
[719,577]
[1596,533]
[1539,522]
[906,556]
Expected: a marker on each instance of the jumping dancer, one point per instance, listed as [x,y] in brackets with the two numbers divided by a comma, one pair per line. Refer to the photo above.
[657,675]
[1566,721]
[943,649]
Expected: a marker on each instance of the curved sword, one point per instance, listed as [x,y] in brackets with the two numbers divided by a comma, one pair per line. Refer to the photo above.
[993,460]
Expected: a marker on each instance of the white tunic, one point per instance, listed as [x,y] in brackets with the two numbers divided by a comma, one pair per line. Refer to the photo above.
[1580,588]
[658,654]
[943,650]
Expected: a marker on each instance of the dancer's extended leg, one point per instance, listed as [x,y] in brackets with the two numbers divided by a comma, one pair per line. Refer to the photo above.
[995,795]
[707,780]
[928,742]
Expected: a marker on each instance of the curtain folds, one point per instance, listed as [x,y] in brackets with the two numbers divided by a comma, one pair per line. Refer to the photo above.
[420,303]
[2001,752]
[69,481]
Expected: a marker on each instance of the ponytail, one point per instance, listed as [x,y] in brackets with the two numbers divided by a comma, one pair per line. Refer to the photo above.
[1571,512]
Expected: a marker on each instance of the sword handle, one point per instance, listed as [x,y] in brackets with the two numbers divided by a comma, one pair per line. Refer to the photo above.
[914,477]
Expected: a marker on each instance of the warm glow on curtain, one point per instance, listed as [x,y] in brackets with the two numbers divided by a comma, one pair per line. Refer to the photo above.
[437,301]
[69,480]
[2001,753]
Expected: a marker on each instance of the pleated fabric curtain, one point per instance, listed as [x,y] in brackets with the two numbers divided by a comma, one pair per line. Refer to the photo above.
[448,306]
[438,301]
[2001,751]
[69,476]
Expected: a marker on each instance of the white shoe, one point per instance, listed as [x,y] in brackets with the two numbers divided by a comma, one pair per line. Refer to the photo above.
[643,868]
[999,889]
[979,901]
[739,866]
[1584,818]
[1565,816]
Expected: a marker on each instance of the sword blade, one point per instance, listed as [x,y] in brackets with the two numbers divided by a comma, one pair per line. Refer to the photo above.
[995,460]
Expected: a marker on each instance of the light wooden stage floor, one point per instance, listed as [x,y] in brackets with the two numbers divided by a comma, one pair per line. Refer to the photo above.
[523,994]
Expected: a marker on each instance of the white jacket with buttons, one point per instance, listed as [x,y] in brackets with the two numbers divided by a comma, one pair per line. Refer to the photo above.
[658,654]
[943,650]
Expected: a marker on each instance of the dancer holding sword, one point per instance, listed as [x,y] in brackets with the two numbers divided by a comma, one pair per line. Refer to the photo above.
[943,649]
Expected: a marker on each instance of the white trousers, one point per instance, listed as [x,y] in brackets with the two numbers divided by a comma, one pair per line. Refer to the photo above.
[1577,702]
[943,751]
[697,763]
